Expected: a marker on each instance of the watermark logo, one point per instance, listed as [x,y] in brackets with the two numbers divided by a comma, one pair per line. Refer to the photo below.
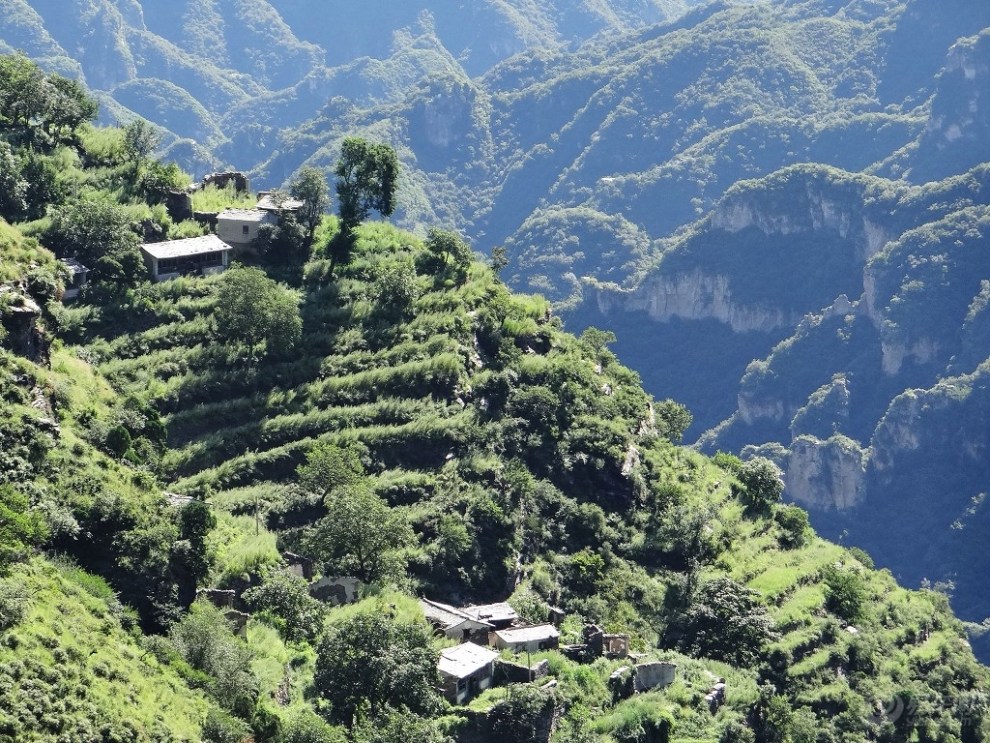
[892,710]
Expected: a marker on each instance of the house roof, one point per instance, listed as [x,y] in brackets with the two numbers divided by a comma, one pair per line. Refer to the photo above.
[463,660]
[74,266]
[188,246]
[449,616]
[528,634]
[244,215]
[288,205]
[497,613]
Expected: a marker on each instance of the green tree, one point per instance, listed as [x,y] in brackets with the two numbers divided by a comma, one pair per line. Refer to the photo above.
[67,106]
[196,521]
[43,186]
[372,662]
[673,419]
[205,641]
[253,309]
[845,593]
[23,96]
[310,187]
[13,187]
[724,621]
[360,535]
[367,174]
[394,289]
[795,528]
[284,600]
[329,466]
[446,255]
[98,234]
[762,483]
[140,140]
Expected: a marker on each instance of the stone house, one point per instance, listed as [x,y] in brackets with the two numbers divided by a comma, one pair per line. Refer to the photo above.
[267,203]
[194,255]
[239,227]
[78,275]
[466,670]
[456,624]
[500,615]
[528,639]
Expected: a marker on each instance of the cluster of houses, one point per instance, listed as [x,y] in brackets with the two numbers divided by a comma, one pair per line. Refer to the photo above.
[234,230]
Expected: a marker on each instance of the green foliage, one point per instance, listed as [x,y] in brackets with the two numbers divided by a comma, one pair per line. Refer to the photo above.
[845,593]
[330,466]
[252,309]
[310,187]
[307,727]
[98,234]
[517,717]
[360,534]
[370,662]
[204,640]
[673,419]
[285,599]
[795,529]
[761,482]
[222,727]
[20,528]
[367,176]
[725,621]
[446,256]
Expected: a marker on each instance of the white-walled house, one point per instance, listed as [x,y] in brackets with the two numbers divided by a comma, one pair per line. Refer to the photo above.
[466,670]
[194,255]
[239,227]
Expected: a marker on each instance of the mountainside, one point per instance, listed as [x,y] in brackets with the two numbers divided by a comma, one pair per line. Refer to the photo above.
[408,427]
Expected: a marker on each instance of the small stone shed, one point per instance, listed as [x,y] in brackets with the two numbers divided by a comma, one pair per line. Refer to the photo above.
[466,671]
[528,639]
[239,227]
[454,623]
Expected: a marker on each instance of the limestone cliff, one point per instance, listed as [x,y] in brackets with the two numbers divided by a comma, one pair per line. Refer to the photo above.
[827,474]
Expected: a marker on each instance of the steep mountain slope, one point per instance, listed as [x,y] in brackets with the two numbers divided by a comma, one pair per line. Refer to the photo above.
[865,298]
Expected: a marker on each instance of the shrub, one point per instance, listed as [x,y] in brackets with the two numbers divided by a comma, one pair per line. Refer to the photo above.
[795,528]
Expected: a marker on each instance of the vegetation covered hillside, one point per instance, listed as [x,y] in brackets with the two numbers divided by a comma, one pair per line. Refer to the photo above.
[396,414]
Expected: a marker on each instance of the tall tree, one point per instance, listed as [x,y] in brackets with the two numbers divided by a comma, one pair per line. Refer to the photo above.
[252,308]
[360,535]
[310,187]
[372,662]
[367,175]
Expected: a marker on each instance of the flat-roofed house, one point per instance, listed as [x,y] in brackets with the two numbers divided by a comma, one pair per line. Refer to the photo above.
[454,623]
[528,639]
[268,204]
[466,670]
[239,227]
[500,615]
[194,255]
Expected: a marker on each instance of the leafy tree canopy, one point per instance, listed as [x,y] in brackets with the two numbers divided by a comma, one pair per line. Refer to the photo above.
[253,309]
[372,662]
[360,535]
[367,175]
[762,483]
[310,187]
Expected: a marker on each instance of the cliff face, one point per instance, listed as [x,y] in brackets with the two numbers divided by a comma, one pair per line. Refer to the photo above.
[693,295]
[826,474]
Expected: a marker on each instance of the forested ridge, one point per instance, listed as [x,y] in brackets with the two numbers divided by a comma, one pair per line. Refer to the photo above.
[381,404]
